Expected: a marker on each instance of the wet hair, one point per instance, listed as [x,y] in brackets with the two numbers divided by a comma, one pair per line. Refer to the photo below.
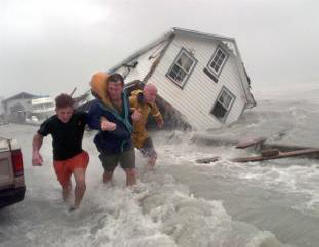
[63,100]
[115,78]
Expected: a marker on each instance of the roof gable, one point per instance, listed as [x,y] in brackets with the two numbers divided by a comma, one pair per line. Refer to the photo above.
[202,35]
[23,95]
[169,35]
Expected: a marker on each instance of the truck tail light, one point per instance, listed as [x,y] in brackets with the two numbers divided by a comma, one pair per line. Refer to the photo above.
[17,162]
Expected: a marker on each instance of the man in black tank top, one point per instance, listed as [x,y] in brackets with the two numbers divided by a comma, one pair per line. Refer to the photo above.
[66,128]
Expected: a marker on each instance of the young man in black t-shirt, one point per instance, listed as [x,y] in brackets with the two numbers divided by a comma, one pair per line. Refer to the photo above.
[66,128]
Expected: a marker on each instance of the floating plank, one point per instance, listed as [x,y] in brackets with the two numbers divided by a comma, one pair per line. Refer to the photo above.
[269,152]
[279,155]
[245,143]
[286,148]
[208,160]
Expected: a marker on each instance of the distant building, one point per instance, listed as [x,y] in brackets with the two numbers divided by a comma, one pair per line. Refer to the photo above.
[42,107]
[23,106]
[1,106]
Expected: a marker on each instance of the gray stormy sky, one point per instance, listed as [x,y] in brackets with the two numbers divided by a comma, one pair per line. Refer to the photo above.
[47,47]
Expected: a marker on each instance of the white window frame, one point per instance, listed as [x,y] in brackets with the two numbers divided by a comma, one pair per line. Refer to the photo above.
[181,83]
[226,107]
[216,58]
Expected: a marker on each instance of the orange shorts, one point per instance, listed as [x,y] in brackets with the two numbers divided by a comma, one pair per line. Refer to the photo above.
[65,168]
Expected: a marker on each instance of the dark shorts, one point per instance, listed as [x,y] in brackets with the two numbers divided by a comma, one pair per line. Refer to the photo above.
[148,149]
[110,161]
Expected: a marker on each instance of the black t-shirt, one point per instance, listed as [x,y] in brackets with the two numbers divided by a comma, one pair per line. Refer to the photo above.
[67,137]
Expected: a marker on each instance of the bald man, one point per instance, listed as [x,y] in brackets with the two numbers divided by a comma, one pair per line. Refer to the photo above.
[144,103]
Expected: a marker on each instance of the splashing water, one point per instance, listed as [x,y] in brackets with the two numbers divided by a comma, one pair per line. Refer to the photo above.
[181,203]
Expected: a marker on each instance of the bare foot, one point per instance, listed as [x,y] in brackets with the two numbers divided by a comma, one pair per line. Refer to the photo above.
[73,208]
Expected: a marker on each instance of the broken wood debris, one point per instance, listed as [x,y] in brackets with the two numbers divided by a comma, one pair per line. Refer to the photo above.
[257,143]
[274,154]
[269,153]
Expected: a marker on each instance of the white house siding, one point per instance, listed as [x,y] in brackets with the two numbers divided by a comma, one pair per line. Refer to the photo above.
[143,66]
[195,101]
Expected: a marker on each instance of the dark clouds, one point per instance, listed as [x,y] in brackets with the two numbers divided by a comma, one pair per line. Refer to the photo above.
[52,46]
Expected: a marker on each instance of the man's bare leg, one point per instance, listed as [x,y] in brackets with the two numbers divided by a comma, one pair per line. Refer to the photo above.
[107,176]
[152,157]
[80,187]
[151,162]
[130,176]
[66,190]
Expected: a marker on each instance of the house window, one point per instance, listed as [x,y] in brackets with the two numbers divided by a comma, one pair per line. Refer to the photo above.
[223,104]
[216,63]
[181,68]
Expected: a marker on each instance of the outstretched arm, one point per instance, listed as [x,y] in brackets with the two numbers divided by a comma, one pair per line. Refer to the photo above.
[97,120]
[94,117]
[36,146]
[106,125]
[136,115]
[134,110]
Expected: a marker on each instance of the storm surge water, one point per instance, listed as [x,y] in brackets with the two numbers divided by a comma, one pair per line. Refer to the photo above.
[183,203]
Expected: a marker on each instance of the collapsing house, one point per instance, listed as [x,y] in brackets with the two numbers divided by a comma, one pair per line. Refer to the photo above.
[200,77]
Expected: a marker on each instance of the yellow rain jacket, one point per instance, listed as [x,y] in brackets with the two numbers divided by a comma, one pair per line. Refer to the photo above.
[139,128]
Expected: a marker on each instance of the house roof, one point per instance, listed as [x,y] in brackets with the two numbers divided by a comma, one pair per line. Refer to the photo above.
[24,95]
[198,34]
[165,37]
